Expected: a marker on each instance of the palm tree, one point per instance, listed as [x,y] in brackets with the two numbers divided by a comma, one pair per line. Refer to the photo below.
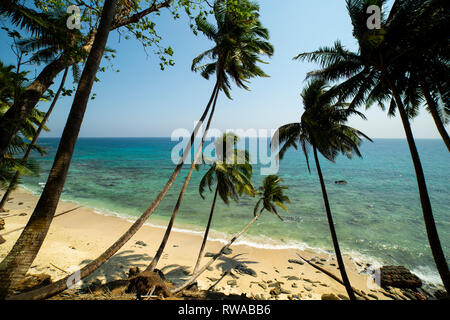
[243,72]
[15,178]
[231,174]
[16,263]
[374,67]
[271,195]
[322,127]
[238,44]
[50,35]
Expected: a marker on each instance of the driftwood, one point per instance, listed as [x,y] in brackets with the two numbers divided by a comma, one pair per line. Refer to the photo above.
[330,275]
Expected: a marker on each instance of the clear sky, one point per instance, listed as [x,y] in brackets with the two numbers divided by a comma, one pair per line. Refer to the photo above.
[143,101]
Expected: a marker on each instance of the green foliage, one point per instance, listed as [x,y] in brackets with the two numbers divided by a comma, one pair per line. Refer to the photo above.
[322,126]
[271,195]
[239,41]
[11,161]
[231,173]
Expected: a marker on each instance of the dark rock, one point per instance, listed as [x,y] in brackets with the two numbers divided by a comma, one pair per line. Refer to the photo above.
[372,296]
[2,224]
[329,296]
[342,297]
[275,291]
[292,278]
[296,261]
[32,282]
[340,182]
[399,277]
[23,214]
[20,203]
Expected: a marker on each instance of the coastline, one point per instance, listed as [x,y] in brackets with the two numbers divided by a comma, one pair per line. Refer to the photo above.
[77,237]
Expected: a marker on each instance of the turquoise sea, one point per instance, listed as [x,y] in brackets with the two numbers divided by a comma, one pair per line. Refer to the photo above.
[377,213]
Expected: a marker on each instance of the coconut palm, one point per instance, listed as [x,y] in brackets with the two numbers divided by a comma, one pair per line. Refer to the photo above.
[244,72]
[322,127]
[49,37]
[231,174]
[239,41]
[373,67]
[15,178]
[271,195]
[16,263]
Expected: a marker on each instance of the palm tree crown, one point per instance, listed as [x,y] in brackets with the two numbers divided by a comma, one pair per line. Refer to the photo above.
[271,195]
[238,45]
[322,125]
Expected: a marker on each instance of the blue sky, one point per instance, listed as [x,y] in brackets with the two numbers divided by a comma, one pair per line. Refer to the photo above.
[143,101]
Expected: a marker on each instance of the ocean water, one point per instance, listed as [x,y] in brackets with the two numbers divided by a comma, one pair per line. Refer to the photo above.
[377,213]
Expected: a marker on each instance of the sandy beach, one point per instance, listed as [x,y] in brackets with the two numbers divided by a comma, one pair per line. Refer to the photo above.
[79,236]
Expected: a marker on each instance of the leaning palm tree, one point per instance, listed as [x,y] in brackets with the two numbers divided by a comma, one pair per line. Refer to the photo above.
[243,72]
[322,127]
[271,195]
[231,174]
[373,67]
[15,265]
[239,41]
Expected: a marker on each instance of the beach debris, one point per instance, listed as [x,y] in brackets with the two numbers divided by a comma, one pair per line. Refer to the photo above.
[399,277]
[59,268]
[294,285]
[2,224]
[275,291]
[342,297]
[292,278]
[23,214]
[149,283]
[133,271]
[31,282]
[20,203]
[141,243]
[232,283]
[340,182]
[2,240]
[307,288]
[372,296]
[296,261]
[72,247]
[262,285]
[329,296]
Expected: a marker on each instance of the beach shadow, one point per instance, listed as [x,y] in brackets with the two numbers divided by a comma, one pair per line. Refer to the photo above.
[236,263]
[176,273]
[118,265]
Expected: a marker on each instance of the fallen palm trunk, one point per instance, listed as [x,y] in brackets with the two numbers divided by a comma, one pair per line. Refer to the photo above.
[330,275]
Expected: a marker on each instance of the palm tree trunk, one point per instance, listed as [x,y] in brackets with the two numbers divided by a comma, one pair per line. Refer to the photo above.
[205,237]
[14,180]
[163,244]
[430,225]
[337,250]
[432,107]
[63,284]
[16,264]
[218,255]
